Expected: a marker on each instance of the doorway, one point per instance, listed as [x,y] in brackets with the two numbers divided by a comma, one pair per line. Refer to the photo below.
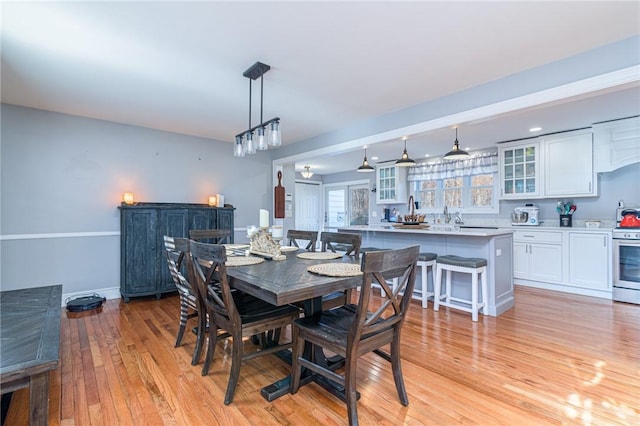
[308,206]
[346,204]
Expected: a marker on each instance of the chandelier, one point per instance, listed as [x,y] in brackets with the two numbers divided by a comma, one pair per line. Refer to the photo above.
[307,173]
[267,133]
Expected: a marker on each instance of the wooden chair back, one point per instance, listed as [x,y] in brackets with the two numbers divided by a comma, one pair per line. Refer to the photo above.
[211,236]
[176,250]
[380,267]
[297,239]
[342,241]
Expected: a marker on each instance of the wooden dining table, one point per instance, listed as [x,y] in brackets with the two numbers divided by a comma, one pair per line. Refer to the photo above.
[30,332]
[282,282]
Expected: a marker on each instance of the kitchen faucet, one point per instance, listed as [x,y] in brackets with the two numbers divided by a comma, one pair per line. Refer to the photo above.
[447,216]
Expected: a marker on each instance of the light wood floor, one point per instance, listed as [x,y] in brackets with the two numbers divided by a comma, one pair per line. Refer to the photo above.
[553,359]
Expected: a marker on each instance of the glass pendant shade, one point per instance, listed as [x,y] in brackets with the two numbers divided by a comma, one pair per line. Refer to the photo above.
[261,143]
[405,161]
[307,173]
[365,167]
[274,134]
[249,145]
[238,149]
[456,153]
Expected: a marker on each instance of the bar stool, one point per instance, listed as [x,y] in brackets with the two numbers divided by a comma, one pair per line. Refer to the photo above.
[426,260]
[468,265]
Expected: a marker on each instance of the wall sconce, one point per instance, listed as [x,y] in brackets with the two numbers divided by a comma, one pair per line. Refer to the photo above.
[127,198]
[213,201]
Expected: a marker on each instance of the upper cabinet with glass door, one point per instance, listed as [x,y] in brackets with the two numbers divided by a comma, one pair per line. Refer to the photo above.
[519,170]
[391,183]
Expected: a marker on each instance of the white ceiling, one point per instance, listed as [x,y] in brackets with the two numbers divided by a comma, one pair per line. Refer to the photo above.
[178,66]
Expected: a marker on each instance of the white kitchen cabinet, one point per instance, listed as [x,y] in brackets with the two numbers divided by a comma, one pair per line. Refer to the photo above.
[589,259]
[616,144]
[391,183]
[520,170]
[537,255]
[568,164]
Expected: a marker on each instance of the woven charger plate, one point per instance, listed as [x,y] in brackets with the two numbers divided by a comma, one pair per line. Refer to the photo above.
[319,255]
[243,260]
[285,249]
[336,269]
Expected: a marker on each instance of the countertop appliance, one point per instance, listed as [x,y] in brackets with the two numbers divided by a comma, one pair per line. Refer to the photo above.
[629,218]
[527,215]
[626,261]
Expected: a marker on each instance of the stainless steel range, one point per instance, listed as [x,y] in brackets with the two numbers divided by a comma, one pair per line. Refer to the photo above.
[626,263]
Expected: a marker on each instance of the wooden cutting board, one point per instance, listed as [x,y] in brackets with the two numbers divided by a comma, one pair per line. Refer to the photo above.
[278,199]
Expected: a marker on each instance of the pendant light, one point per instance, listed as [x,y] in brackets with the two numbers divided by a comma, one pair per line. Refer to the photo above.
[456,153]
[366,167]
[307,173]
[245,141]
[405,161]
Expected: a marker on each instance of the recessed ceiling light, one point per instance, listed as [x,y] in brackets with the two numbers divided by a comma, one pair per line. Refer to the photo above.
[374,158]
[426,155]
[535,129]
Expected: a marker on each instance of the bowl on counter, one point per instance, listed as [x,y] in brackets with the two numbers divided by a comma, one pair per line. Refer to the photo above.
[519,217]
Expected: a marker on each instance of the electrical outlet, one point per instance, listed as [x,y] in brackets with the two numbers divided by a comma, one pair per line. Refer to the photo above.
[498,252]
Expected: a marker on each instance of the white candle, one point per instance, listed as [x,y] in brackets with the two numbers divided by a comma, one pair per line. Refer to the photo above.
[264,218]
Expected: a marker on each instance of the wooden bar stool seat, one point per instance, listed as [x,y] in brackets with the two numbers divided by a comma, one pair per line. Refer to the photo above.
[468,265]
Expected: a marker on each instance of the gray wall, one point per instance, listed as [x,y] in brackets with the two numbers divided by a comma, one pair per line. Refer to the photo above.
[63,178]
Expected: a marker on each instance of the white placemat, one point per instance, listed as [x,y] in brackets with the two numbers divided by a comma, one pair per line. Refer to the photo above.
[319,255]
[243,260]
[336,269]
[285,249]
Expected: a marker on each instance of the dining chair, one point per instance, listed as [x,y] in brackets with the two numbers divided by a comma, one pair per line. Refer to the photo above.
[211,236]
[177,250]
[298,238]
[350,245]
[341,241]
[236,313]
[353,330]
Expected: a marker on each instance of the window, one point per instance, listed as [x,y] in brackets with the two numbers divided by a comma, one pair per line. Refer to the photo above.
[466,185]
[346,204]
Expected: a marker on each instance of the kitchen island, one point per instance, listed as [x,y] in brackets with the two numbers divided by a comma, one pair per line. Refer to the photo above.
[495,245]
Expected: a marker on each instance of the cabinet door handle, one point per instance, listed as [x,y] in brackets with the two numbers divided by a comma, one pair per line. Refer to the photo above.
[604,240]
[528,236]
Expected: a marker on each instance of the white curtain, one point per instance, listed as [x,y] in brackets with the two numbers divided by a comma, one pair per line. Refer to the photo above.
[481,164]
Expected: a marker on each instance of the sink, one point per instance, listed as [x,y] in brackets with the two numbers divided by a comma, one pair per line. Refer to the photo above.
[445,227]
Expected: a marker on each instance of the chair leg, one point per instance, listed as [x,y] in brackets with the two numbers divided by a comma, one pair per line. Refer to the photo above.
[474,296]
[396,367]
[296,351]
[448,287]
[485,292]
[234,374]
[437,288]
[184,315]
[202,332]
[425,284]
[350,394]
[211,347]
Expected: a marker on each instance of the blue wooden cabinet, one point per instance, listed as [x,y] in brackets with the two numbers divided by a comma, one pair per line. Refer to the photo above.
[143,266]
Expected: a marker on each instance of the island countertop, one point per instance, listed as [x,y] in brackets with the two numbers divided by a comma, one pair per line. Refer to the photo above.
[433,230]
[493,244]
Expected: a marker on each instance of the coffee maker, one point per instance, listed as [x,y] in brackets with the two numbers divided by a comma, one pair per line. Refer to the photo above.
[387,215]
